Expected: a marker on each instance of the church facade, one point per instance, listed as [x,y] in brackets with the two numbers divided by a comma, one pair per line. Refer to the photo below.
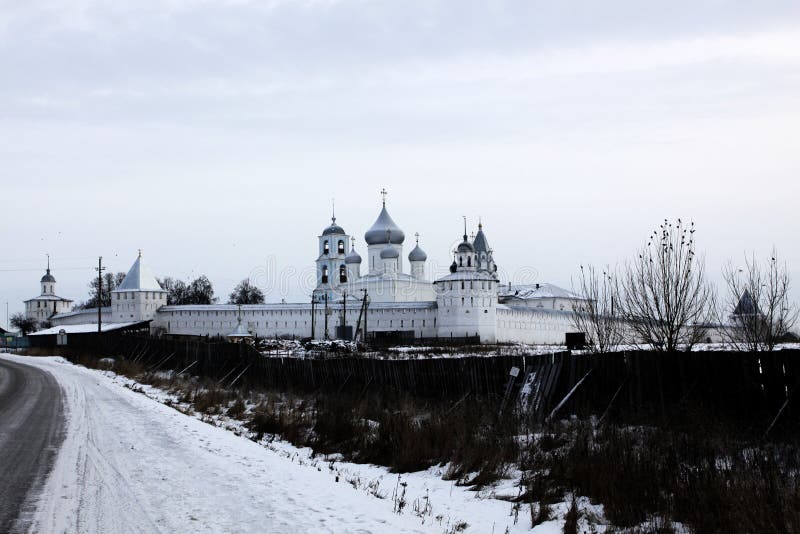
[47,305]
[384,294]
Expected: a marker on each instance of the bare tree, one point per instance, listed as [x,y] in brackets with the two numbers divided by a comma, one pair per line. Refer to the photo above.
[110,282]
[665,298]
[757,311]
[595,316]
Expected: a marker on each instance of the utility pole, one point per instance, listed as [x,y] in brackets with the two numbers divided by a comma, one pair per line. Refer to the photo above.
[344,313]
[364,308]
[326,315]
[313,315]
[100,270]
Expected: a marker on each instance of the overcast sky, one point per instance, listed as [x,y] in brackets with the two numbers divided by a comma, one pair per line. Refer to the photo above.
[213,135]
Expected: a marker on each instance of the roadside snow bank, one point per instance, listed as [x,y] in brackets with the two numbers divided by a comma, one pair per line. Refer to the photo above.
[130,463]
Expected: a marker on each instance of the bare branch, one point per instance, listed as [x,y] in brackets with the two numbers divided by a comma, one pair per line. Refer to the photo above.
[595,316]
[665,298]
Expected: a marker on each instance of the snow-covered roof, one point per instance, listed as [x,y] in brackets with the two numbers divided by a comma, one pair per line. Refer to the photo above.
[85,311]
[425,304]
[467,275]
[536,291]
[390,275]
[49,298]
[533,310]
[81,328]
[139,278]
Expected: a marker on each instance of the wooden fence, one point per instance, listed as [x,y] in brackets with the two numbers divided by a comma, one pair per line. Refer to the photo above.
[747,387]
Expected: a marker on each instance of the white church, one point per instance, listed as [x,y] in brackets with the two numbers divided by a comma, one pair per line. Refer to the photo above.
[386,298]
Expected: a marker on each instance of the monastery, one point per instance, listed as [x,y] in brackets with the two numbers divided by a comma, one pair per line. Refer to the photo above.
[383,295]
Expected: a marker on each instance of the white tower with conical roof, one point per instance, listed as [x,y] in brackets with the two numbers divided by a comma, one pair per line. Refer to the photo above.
[467,297]
[139,295]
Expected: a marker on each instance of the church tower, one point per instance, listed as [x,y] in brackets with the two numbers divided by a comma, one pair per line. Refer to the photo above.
[483,254]
[467,297]
[384,235]
[139,295]
[47,303]
[332,270]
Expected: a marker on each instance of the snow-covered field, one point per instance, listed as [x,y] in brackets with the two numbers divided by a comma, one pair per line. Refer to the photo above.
[130,463]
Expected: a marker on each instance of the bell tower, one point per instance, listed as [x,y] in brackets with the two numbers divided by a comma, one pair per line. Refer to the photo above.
[333,248]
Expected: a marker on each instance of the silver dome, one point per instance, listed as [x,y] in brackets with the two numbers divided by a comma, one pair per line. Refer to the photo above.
[333,228]
[377,235]
[417,254]
[352,257]
[49,278]
[389,253]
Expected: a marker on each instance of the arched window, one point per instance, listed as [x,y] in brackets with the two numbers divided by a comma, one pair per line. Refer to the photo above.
[342,274]
[325,247]
[469,261]
[462,284]
[460,261]
[341,247]
[324,274]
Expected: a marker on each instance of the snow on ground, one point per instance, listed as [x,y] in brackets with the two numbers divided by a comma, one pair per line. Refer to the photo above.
[132,464]
[336,348]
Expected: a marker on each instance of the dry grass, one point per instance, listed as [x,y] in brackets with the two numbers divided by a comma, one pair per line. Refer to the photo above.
[710,477]
[705,478]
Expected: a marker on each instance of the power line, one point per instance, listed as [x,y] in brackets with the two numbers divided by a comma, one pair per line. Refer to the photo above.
[39,269]
[23,260]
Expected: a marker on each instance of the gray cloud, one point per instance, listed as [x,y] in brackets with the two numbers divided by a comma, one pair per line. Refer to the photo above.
[213,134]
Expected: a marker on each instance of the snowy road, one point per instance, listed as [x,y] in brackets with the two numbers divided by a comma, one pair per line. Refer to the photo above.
[131,464]
[30,432]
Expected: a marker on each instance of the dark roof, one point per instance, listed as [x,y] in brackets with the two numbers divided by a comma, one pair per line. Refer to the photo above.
[480,243]
[465,246]
[746,305]
[333,228]
[48,277]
